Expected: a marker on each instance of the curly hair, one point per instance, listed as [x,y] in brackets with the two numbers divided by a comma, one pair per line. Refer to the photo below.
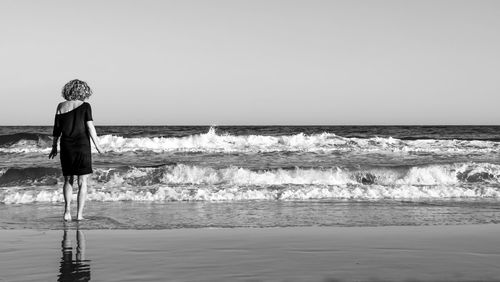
[76,90]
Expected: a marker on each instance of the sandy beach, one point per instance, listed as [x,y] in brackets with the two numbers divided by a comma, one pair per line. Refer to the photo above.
[421,253]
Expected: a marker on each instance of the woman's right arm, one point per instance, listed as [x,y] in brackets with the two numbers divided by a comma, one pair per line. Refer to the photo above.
[93,136]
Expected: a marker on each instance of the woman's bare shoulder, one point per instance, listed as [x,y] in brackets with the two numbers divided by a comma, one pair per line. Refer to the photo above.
[58,109]
[67,106]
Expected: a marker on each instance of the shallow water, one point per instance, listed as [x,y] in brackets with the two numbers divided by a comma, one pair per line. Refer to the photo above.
[255,214]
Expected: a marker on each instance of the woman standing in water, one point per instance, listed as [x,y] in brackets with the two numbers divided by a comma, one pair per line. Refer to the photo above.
[73,123]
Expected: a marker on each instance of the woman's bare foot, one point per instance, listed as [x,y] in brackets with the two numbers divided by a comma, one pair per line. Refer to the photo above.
[79,217]
[67,216]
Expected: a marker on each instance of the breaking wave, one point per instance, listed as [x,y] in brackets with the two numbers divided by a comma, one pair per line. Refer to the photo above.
[167,193]
[24,142]
[192,183]
[213,142]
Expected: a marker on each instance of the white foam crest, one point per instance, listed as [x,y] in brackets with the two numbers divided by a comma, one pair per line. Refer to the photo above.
[10,196]
[213,142]
[430,175]
[208,193]
[377,192]
[184,174]
[420,175]
[25,149]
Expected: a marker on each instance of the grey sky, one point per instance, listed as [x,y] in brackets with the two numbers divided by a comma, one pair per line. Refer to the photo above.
[254,62]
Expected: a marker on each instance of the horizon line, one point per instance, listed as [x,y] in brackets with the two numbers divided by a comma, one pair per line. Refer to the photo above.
[219,125]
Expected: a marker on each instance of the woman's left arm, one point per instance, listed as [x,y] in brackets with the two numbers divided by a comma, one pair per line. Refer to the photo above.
[93,136]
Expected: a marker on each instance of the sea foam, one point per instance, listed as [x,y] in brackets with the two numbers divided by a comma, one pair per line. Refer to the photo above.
[226,143]
[287,193]
[193,183]
[182,174]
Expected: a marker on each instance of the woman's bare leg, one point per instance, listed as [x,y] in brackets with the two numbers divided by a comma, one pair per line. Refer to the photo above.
[68,192]
[82,194]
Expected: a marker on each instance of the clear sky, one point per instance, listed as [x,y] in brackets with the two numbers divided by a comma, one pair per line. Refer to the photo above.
[253,61]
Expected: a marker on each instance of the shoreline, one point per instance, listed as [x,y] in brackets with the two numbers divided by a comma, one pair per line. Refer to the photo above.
[386,253]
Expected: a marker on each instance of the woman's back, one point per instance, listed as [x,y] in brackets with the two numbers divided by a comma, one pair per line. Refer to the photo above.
[70,121]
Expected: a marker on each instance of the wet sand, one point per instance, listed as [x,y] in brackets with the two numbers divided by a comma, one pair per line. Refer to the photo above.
[402,253]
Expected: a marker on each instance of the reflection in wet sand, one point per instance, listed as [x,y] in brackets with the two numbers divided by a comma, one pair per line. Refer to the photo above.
[79,268]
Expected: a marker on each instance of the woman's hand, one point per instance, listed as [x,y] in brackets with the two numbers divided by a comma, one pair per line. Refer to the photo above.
[53,153]
[93,136]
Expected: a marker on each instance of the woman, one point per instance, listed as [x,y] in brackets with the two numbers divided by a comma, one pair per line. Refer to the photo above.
[73,122]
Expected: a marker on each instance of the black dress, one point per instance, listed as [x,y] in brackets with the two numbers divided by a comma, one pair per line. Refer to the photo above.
[76,158]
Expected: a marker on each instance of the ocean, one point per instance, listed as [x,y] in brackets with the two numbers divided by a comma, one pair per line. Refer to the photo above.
[165,177]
